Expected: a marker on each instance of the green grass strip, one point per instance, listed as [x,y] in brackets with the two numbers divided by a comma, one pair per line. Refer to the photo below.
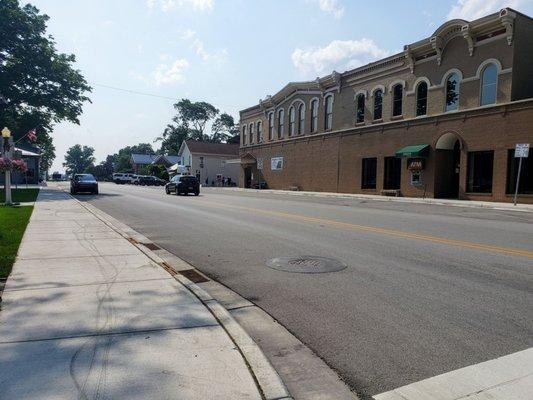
[20,195]
[13,221]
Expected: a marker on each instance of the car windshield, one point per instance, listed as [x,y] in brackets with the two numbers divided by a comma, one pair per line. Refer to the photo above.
[85,177]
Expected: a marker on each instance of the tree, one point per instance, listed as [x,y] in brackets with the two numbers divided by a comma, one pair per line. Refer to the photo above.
[39,84]
[224,128]
[79,159]
[104,170]
[123,158]
[190,122]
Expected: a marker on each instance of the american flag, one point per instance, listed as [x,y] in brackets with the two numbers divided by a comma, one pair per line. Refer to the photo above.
[32,135]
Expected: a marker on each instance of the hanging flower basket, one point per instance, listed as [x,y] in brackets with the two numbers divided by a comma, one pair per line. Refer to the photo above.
[19,165]
[5,165]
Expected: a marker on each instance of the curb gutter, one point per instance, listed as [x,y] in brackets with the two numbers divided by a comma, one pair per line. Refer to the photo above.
[266,377]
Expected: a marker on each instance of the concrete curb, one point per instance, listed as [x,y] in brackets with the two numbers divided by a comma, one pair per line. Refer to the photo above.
[412,200]
[266,377]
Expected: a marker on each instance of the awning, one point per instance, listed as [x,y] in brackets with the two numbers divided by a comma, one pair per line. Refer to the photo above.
[417,150]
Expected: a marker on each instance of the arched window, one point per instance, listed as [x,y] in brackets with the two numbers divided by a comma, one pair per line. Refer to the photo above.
[360,108]
[397,100]
[314,116]
[292,121]
[281,123]
[251,132]
[259,131]
[271,126]
[301,119]
[244,135]
[489,83]
[378,104]
[452,91]
[328,115]
[421,99]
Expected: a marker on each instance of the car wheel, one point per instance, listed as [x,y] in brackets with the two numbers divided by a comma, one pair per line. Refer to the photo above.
[95,191]
[197,193]
[167,191]
[72,191]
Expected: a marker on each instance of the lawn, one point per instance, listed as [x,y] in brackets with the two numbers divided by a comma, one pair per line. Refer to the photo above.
[20,195]
[13,221]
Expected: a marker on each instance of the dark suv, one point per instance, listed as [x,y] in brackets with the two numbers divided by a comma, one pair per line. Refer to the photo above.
[83,183]
[183,184]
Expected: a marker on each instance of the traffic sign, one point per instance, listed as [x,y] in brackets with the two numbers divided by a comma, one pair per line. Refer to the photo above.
[521,150]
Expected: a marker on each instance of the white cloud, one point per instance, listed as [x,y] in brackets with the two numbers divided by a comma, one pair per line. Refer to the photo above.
[339,54]
[198,46]
[169,5]
[170,73]
[473,9]
[330,7]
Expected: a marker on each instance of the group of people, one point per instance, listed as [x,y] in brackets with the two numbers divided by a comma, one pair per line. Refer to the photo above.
[221,181]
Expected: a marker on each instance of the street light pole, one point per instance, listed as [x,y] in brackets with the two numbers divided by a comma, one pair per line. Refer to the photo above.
[6,153]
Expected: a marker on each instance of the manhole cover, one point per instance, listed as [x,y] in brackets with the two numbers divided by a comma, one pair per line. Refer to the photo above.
[306,264]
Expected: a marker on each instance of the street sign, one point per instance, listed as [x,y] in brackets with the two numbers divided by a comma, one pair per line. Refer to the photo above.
[521,150]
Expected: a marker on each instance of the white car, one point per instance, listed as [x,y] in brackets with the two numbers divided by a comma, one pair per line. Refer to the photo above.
[122,178]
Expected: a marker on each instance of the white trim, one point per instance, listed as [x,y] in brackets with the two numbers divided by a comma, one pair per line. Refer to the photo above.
[487,62]
[416,83]
[297,101]
[364,92]
[326,96]
[378,87]
[448,73]
[397,82]
[311,101]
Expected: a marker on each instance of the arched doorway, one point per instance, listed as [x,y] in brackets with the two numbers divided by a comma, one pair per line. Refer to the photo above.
[447,166]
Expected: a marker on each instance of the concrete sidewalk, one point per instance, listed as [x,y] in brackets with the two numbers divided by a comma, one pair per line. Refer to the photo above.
[87,315]
[414,200]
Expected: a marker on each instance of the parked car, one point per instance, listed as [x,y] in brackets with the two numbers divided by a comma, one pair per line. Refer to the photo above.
[83,183]
[151,181]
[121,178]
[136,179]
[183,184]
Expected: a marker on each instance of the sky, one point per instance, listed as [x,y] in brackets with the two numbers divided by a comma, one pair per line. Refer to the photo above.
[230,53]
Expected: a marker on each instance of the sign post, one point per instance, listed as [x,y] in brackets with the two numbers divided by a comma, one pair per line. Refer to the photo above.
[521,151]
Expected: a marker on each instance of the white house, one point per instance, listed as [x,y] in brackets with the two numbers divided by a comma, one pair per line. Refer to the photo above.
[208,161]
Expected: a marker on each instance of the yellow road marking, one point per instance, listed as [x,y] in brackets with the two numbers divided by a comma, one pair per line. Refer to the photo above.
[383,231]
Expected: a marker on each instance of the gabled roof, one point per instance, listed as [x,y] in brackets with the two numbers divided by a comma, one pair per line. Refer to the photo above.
[143,158]
[220,149]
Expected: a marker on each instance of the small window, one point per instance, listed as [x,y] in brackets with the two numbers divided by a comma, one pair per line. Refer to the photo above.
[360,109]
[314,116]
[452,92]
[378,104]
[244,135]
[259,131]
[416,178]
[301,118]
[421,99]
[489,83]
[292,121]
[271,126]
[479,171]
[281,123]
[251,133]
[328,122]
[368,178]
[397,100]
[525,186]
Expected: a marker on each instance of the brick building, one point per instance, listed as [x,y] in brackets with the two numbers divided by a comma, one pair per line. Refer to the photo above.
[440,119]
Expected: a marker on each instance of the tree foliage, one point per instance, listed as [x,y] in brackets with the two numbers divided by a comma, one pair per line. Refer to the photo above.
[79,159]
[191,121]
[40,85]
[123,157]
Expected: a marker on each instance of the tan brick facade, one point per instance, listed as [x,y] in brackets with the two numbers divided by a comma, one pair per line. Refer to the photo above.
[332,160]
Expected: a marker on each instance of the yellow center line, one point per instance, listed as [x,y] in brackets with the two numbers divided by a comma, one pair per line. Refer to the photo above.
[383,231]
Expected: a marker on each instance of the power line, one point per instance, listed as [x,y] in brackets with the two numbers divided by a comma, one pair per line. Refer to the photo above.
[135,92]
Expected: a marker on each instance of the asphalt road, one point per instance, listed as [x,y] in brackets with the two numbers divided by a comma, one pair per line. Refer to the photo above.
[428,289]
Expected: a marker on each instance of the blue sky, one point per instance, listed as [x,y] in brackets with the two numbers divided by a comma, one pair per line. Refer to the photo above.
[230,53]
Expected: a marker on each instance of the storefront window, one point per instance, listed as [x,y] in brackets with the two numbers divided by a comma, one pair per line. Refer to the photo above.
[368,179]
[479,171]
[526,174]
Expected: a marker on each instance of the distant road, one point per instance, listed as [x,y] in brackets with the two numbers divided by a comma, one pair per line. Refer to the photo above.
[428,289]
